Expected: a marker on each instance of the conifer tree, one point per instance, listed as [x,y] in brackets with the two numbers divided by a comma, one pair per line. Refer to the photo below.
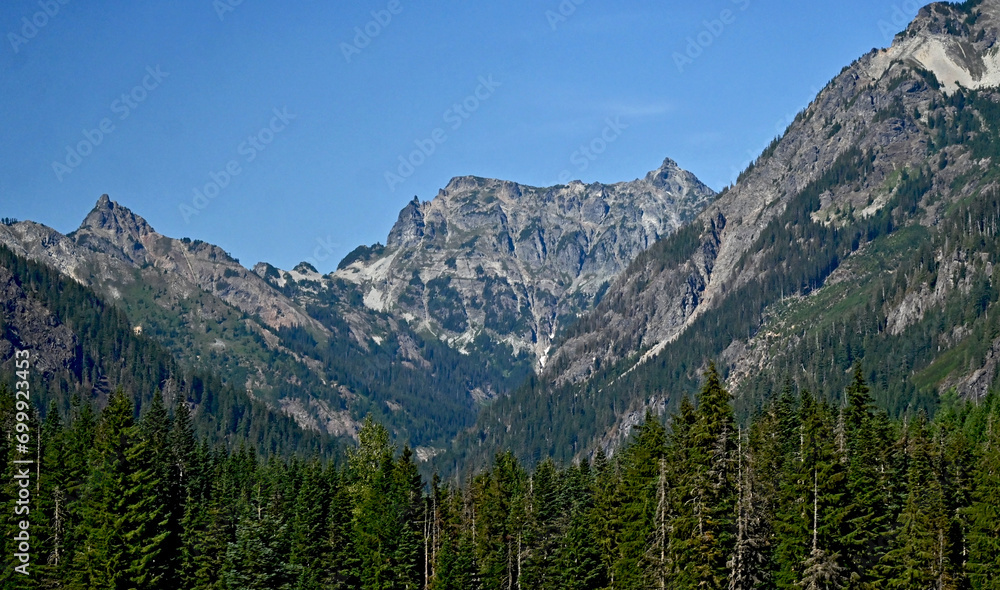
[822,570]
[578,560]
[344,563]
[984,515]
[258,558]
[640,467]
[454,567]
[309,552]
[376,527]
[918,557]
[682,510]
[866,521]
[52,509]
[125,526]
[812,500]
[498,522]
[713,485]
[750,564]
[604,515]
[408,503]
[156,457]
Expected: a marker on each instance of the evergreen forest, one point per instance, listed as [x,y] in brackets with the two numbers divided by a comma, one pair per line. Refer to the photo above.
[806,494]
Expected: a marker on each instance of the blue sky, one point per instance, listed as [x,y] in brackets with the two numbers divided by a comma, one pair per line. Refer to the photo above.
[284,131]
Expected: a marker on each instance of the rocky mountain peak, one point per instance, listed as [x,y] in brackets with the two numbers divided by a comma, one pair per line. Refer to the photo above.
[115,230]
[888,152]
[460,183]
[517,261]
[955,42]
[672,178]
[108,216]
[409,226]
[667,168]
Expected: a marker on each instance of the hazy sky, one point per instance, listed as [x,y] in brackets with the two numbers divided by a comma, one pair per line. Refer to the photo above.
[285,131]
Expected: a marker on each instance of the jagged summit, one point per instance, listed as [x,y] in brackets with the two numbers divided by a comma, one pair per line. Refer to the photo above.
[957,43]
[115,239]
[672,178]
[517,261]
[117,228]
[108,215]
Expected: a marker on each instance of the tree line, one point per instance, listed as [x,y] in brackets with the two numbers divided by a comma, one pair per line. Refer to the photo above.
[807,495]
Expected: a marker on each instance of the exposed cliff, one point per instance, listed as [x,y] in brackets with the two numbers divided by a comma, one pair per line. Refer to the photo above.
[517,262]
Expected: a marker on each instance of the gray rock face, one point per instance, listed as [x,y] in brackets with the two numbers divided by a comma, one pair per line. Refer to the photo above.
[517,262]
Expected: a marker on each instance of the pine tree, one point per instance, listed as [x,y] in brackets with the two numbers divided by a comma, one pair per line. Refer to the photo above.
[542,534]
[79,441]
[498,522]
[209,522]
[454,567]
[344,563]
[682,507]
[657,556]
[157,459]
[309,520]
[52,508]
[125,526]
[604,515]
[713,482]
[984,515]
[578,559]
[812,499]
[187,468]
[867,519]
[640,467]
[376,528]
[408,494]
[918,557]
[822,570]
[258,558]
[750,564]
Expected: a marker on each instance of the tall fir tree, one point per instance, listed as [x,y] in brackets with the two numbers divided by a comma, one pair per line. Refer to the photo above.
[812,498]
[918,557]
[408,557]
[867,520]
[984,514]
[640,469]
[310,552]
[713,486]
[124,523]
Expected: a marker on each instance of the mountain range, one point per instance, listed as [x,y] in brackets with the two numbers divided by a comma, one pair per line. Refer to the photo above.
[548,321]
[454,311]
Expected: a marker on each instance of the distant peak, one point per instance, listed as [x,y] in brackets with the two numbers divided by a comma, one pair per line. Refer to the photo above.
[464,182]
[668,163]
[305,268]
[666,170]
[110,219]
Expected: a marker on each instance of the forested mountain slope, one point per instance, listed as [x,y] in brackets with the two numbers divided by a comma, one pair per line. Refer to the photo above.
[867,231]
[327,362]
[80,349]
[319,350]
